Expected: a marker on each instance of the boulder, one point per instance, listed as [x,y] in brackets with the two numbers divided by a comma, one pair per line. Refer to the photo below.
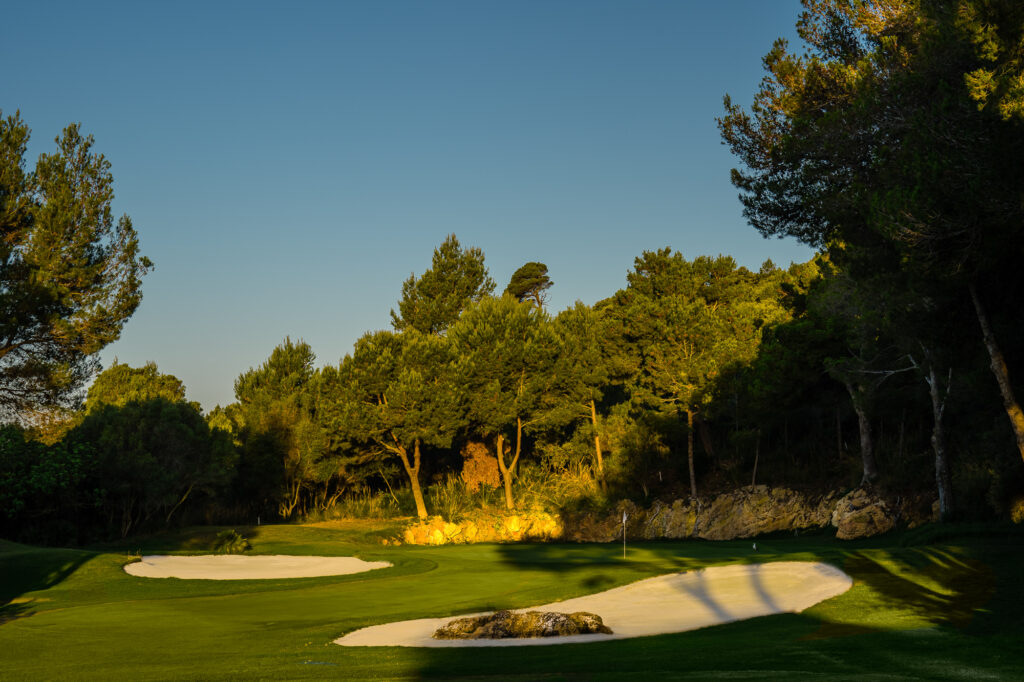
[862,513]
[512,625]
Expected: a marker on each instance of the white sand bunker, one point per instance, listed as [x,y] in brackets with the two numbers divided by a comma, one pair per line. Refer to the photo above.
[668,603]
[239,567]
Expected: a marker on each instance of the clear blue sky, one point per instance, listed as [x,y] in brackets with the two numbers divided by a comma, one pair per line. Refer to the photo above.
[288,165]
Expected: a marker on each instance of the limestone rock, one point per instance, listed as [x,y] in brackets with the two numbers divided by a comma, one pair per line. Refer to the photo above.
[511,625]
[675,521]
[861,514]
[753,510]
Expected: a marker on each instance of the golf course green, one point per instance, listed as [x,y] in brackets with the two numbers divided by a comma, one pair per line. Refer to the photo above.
[920,608]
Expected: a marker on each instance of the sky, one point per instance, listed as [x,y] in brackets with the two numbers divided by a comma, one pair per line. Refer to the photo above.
[288,165]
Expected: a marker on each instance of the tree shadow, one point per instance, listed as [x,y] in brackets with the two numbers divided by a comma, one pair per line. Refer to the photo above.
[197,540]
[24,570]
[934,584]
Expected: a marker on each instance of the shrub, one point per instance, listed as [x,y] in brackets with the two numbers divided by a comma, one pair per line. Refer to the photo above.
[230,542]
[479,467]
[450,498]
[365,503]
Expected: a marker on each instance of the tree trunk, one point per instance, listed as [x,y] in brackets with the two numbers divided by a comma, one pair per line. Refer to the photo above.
[757,455]
[167,519]
[597,445]
[519,446]
[705,434]
[903,428]
[413,471]
[286,506]
[867,453]
[942,479]
[506,474]
[689,453]
[1002,374]
[839,435]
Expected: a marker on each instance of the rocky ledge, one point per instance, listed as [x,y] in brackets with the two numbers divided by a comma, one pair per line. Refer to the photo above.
[742,513]
[511,625]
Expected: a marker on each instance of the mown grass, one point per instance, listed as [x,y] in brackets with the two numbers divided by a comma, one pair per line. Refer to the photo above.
[926,611]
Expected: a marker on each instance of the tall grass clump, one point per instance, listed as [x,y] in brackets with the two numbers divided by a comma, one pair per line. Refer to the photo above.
[230,542]
[450,499]
[366,503]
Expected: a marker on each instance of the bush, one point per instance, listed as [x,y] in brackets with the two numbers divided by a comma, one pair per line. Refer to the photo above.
[230,542]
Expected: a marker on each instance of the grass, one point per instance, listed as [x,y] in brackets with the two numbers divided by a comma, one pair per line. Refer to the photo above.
[924,611]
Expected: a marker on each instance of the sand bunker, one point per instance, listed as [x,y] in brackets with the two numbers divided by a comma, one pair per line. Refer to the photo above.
[668,603]
[239,567]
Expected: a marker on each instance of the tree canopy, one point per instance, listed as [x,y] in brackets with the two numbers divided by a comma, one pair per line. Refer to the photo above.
[530,282]
[431,302]
[896,143]
[120,384]
[70,275]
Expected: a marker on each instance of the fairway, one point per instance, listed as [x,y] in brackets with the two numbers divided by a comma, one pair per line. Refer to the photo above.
[919,612]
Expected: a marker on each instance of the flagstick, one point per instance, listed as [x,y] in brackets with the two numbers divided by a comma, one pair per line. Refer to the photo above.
[624,517]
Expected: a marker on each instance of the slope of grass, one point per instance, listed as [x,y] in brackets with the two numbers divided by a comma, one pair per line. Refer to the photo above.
[944,611]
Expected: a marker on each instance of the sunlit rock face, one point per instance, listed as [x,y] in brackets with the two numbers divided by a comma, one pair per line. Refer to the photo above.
[861,513]
[742,513]
[755,510]
[512,625]
[484,527]
[675,521]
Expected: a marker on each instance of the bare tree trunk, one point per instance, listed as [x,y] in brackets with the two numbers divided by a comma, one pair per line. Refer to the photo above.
[1002,374]
[757,455]
[597,445]
[288,504]
[506,473]
[413,471]
[942,479]
[519,445]
[689,452]
[867,453]
[167,519]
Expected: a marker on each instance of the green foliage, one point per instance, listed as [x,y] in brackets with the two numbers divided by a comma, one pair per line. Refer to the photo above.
[450,499]
[530,282]
[70,275]
[40,487]
[507,352]
[120,384]
[150,458]
[432,302]
[394,396]
[363,502]
[230,542]
[285,457]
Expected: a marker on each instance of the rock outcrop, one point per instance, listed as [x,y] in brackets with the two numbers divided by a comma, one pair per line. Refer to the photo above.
[860,514]
[742,513]
[512,625]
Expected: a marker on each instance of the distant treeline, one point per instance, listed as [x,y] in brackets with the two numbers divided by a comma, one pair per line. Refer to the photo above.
[698,376]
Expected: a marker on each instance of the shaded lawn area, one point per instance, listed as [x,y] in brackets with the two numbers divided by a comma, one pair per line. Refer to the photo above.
[936,611]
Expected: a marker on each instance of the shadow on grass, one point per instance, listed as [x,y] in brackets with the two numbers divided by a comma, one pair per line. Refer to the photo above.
[24,570]
[939,586]
[903,599]
[192,540]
